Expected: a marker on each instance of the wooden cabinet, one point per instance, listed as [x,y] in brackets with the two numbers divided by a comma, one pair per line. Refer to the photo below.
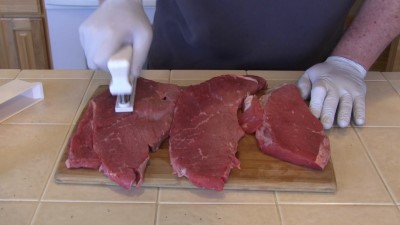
[394,56]
[20,7]
[23,42]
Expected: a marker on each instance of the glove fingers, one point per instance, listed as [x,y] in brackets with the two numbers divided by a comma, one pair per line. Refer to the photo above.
[318,94]
[85,38]
[329,110]
[97,50]
[102,54]
[304,85]
[359,110]
[141,46]
[90,53]
[345,107]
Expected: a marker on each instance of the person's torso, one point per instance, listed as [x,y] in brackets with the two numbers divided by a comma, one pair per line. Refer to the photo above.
[251,34]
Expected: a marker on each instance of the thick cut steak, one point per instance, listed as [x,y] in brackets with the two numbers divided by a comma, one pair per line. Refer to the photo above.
[205,131]
[288,130]
[251,117]
[121,141]
[81,153]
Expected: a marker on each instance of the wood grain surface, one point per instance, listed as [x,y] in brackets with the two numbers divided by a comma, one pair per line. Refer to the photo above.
[258,171]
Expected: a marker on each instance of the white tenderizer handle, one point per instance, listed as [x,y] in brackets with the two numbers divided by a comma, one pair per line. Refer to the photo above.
[119,66]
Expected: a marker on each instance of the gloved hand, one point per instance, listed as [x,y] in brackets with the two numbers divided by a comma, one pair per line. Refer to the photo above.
[113,25]
[336,82]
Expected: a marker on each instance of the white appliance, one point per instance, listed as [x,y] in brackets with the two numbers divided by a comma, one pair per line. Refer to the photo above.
[64,18]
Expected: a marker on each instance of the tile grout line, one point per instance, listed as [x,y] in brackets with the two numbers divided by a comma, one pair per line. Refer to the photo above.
[202,203]
[54,165]
[65,142]
[385,76]
[335,204]
[157,206]
[374,164]
[48,180]
[39,201]
[278,208]
[374,126]
[97,202]
[392,85]
[18,200]
[215,203]
[33,218]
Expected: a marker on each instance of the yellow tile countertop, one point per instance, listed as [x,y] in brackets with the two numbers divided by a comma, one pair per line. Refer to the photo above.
[366,161]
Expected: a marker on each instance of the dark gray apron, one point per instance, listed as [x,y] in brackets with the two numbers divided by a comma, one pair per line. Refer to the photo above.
[245,34]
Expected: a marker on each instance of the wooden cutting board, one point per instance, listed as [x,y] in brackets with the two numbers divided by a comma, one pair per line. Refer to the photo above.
[258,171]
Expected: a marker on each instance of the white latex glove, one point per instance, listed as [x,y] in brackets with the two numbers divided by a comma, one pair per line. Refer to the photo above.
[336,82]
[113,25]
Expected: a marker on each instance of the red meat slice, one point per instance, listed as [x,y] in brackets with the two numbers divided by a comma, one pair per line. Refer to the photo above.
[205,131]
[251,118]
[81,154]
[288,130]
[121,140]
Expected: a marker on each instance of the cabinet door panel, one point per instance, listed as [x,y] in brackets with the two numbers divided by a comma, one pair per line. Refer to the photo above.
[25,49]
[394,56]
[12,7]
[23,44]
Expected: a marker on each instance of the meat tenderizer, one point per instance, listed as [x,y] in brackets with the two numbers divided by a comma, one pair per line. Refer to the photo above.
[122,84]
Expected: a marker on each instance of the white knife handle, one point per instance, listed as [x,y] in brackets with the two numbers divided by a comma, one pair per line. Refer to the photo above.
[119,65]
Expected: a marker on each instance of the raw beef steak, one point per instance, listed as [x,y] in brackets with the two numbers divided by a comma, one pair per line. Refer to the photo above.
[251,117]
[81,153]
[121,140]
[288,130]
[205,131]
